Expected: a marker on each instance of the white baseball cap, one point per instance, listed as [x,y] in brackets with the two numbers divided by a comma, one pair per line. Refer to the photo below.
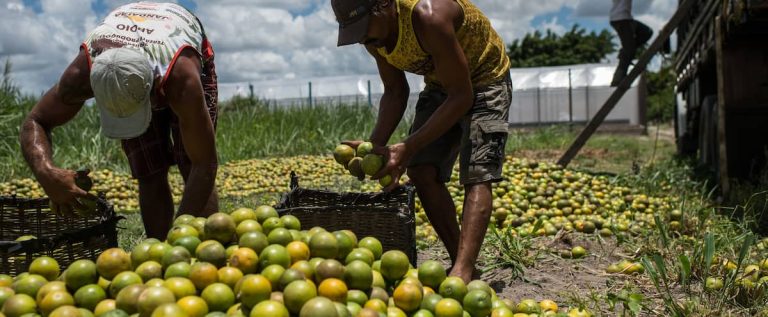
[121,79]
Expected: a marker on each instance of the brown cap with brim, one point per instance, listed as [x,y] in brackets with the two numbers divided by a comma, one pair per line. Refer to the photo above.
[353,17]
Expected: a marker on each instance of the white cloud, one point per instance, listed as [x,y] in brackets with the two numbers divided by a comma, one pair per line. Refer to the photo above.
[263,42]
[41,45]
[257,39]
[13,15]
[512,18]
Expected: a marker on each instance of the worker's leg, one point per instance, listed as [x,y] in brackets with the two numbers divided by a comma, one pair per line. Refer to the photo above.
[626,32]
[482,159]
[156,204]
[149,156]
[431,168]
[478,201]
[438,205]
[643,33]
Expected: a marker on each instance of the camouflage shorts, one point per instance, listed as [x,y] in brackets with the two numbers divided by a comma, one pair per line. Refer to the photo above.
[480,136]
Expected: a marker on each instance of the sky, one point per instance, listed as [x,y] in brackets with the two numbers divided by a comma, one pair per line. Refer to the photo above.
[257,40]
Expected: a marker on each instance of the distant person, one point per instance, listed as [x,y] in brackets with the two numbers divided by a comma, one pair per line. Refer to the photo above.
[632,34]
[463,109]
[150,67]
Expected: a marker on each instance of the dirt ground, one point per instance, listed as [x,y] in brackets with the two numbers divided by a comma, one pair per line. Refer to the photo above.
[569,282]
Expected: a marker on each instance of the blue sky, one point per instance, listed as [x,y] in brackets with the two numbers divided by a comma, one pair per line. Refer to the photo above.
[566,17]
[257,40]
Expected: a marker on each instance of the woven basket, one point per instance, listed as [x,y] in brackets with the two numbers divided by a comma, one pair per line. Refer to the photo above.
[62,238]
[388,217]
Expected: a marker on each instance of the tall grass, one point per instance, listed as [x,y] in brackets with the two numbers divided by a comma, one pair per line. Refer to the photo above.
[262,131]
[75,145]
[246,129]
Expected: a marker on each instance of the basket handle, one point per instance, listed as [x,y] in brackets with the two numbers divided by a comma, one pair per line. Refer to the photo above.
[294,180]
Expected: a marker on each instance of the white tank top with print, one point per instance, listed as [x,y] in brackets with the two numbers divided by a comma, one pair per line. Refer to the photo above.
[160,30]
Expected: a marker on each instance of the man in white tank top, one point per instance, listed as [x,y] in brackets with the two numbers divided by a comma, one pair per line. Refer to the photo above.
[150,68]
[632,35]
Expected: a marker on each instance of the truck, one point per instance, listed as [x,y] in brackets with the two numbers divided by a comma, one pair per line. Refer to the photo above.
[721,92]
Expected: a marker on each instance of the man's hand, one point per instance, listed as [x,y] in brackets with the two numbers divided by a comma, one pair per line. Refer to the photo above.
[396,157]
[59,185]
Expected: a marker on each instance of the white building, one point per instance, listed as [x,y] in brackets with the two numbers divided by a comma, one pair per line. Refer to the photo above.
[544,95]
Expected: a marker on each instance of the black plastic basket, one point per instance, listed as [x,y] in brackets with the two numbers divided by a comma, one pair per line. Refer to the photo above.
[389,217]
[62,238]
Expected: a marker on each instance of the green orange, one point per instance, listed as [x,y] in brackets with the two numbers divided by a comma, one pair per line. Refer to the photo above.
[245,259]
[394,265]
[18,305]
[194,306]
[55,300]
[274,254]
[297,294]
[175,255]
[408,297]
[241,214]
[254,289]
[180,287]
[345,243]
[81,273]
[478,303]
[149,270]
[291,222]
[152,298]
[180,231]
[46,267]
[453,287]
[123,280]
[30,285]
[264,212]
[127,299]
[318,307]
[358,275]
[432,273]
[448,307]
[220,227]
[324,245]
[218,296]
[89,296]
[254,240]
[203,274]
[213,252]
[47,288]
[230,276]
[372,244]
[269,308]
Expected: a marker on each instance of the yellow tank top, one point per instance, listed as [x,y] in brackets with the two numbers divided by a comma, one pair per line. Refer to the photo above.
[485,52]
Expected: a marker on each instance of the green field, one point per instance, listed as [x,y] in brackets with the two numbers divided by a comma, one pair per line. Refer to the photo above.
[678,259]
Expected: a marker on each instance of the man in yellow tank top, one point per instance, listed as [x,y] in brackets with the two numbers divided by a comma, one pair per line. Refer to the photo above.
[463,110]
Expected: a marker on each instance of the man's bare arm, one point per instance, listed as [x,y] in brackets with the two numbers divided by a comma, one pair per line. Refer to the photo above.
[434,22]
[57,107]
[185,95]
[393,102]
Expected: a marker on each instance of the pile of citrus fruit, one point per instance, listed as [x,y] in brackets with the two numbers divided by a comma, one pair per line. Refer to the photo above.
[253,263]
[238,179]
[532,191]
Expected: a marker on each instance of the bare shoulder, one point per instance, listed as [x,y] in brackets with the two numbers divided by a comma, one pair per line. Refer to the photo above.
[187,65]
[74,86]
[436,13]
[183,86]
[435,23]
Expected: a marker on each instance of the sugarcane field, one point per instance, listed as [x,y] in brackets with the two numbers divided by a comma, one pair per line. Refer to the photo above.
[383,158]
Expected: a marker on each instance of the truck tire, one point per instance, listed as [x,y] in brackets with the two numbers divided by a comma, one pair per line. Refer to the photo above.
[709,147]
[685,140]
